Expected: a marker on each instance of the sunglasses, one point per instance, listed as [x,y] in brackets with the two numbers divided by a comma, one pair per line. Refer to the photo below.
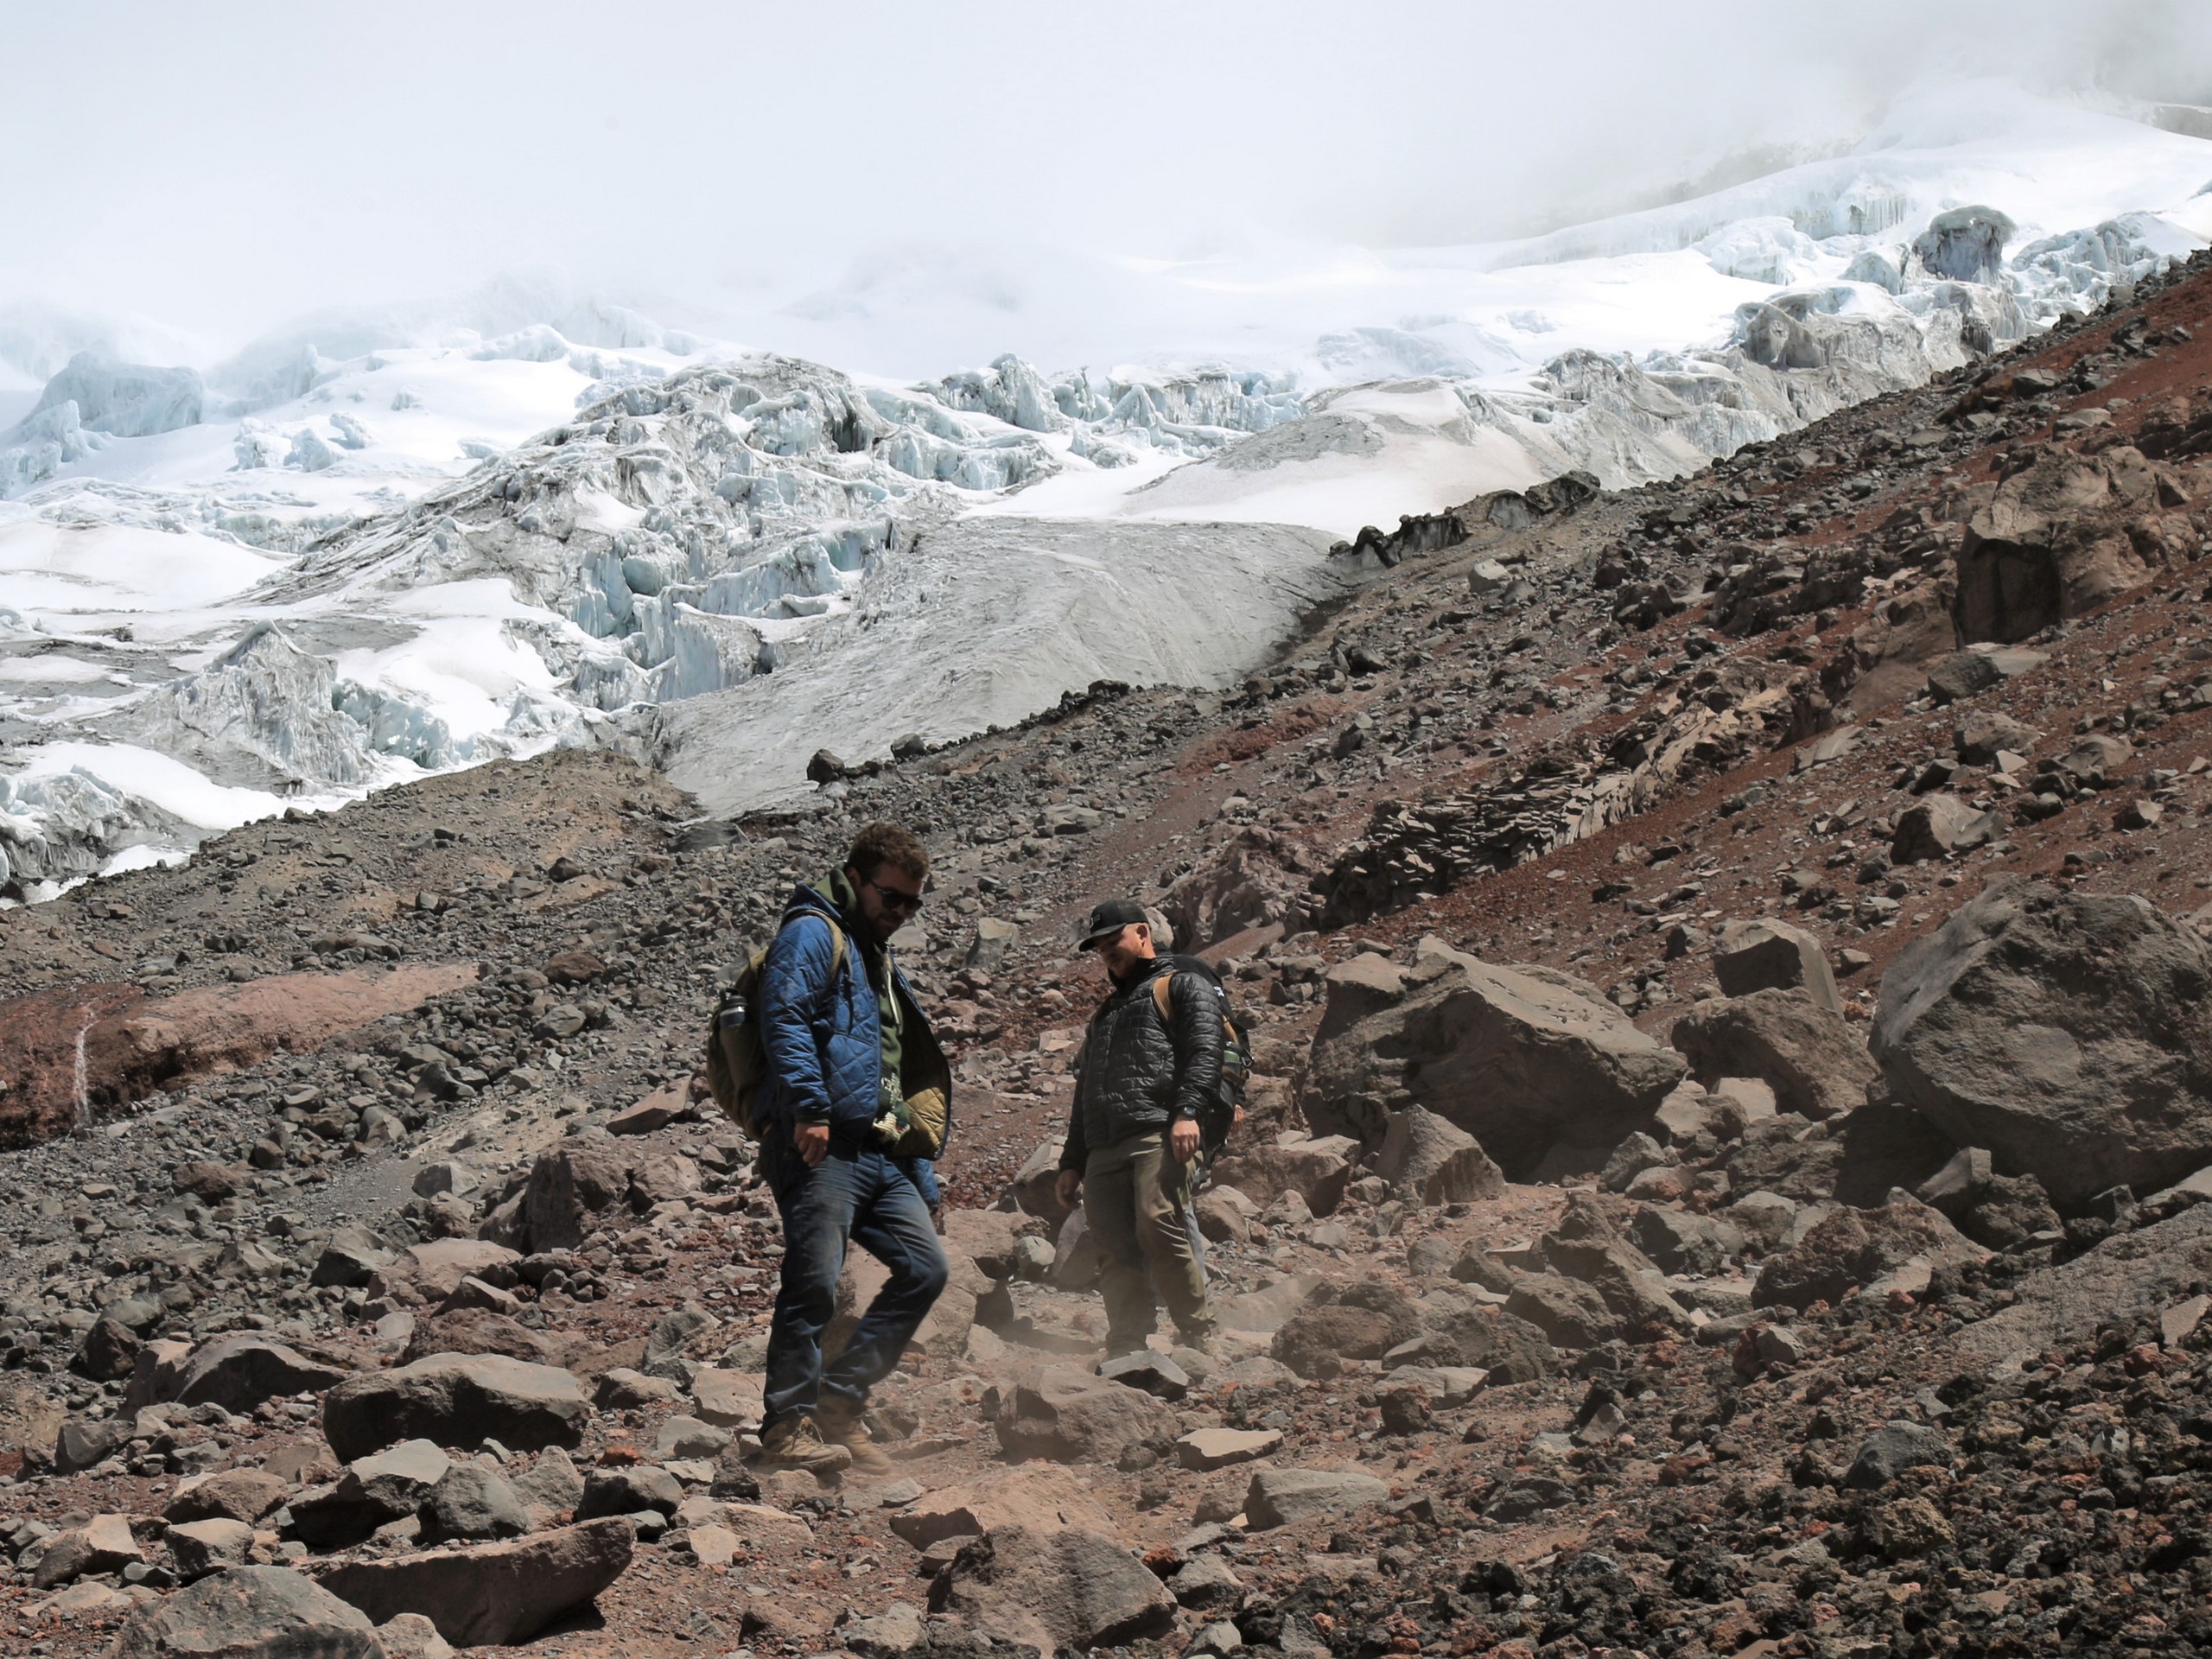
[892,898]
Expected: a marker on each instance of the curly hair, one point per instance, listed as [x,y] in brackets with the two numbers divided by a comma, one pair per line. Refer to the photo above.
[879,844]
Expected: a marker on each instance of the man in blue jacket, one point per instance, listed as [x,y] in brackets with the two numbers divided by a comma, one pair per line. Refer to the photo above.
[858,1099]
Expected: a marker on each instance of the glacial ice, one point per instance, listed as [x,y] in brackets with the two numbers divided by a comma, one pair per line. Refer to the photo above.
[727,559]
[126,400]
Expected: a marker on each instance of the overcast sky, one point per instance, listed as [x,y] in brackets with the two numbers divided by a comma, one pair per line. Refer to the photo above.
[218,167]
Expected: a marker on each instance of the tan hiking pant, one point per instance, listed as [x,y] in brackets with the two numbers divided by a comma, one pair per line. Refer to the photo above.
[1133,1196]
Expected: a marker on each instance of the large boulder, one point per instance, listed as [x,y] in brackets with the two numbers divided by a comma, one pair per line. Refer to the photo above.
[1035,1184]
[1041,1496]
[1803,1050]
[1054,1589]
[1586,1248]
[2062,537]
[248,1612]
[474,1331]
[1283,1497]
[227,1494]
[241,1372]
[572,1185]
[492,1593]
[1361,1320]
[1316,1168]
[1069,1415]
[1940,824]
[991,1237]
[1762,955]
[433,1270]
[373,1490]
[1522,1059]
[456,1399]
[2070,1034]
[2128,1280]
[1850,1248]
[1427,1158]
[1464,1331]
[30,1419]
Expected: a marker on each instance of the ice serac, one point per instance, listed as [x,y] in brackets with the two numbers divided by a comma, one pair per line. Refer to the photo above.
[125,400]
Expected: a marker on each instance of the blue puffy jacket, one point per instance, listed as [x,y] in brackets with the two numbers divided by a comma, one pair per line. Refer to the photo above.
[824,1041]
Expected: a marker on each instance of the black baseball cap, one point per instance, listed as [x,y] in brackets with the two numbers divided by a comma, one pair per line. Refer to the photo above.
[1109,919]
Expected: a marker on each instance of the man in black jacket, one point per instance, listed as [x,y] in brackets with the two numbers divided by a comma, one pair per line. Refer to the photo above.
[1141,1083]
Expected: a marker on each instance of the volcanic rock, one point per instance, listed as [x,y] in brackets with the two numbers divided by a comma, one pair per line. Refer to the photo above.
[2070,1034]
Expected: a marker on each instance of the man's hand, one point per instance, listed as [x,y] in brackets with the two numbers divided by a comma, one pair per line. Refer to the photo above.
[812,1140]
[1067,1187]
[1183,1140]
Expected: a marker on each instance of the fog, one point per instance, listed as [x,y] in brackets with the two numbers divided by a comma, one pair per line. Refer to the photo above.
[209,172]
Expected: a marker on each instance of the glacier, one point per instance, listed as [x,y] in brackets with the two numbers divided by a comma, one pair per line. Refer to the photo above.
[376,545]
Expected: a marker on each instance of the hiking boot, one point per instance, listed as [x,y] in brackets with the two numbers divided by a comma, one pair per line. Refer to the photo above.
[840,1424]
[796,1443]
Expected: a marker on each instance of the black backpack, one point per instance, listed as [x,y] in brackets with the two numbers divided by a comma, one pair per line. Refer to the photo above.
[1223,1113]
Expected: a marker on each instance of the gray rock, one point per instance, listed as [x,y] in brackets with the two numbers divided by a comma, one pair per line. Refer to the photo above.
[200,1548]
[1521,1058]
[241,1372]
[1638,1152]
[471,1500]
[1427,1158]
[1852,1247]
[1206,1449]
[1205,1583]
[629,1490]
[687,1437]
[1954,1188]
[248,1612]
[1054,1589]
[897,1630]
[84,1442]
[351,1259]
[1155,1373]
[1938,824]
[410,1635]
[2068,1033]
[1986,732]
[491,1594]
[103,1544]
[1283,1497]
[1361,1320]
[2008,1209]
[1968,673]
[456,1399]
[1893,1449]
[1314,1169]
[1816,1065]
[228,1494]
[1068,1416]
[1567,1311]
[1763,954]
[110,1351]
[1678,1241]
[1074,1255]
[372,1490]
[1586,1248]
[552,1482]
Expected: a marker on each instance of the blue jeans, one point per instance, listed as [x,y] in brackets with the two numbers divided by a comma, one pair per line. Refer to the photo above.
[850,1195]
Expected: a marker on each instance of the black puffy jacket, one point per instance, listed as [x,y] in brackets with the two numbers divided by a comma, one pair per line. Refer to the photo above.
[1135,1075]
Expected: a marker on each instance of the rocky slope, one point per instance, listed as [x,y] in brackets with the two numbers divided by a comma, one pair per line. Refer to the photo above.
[1727,1174]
